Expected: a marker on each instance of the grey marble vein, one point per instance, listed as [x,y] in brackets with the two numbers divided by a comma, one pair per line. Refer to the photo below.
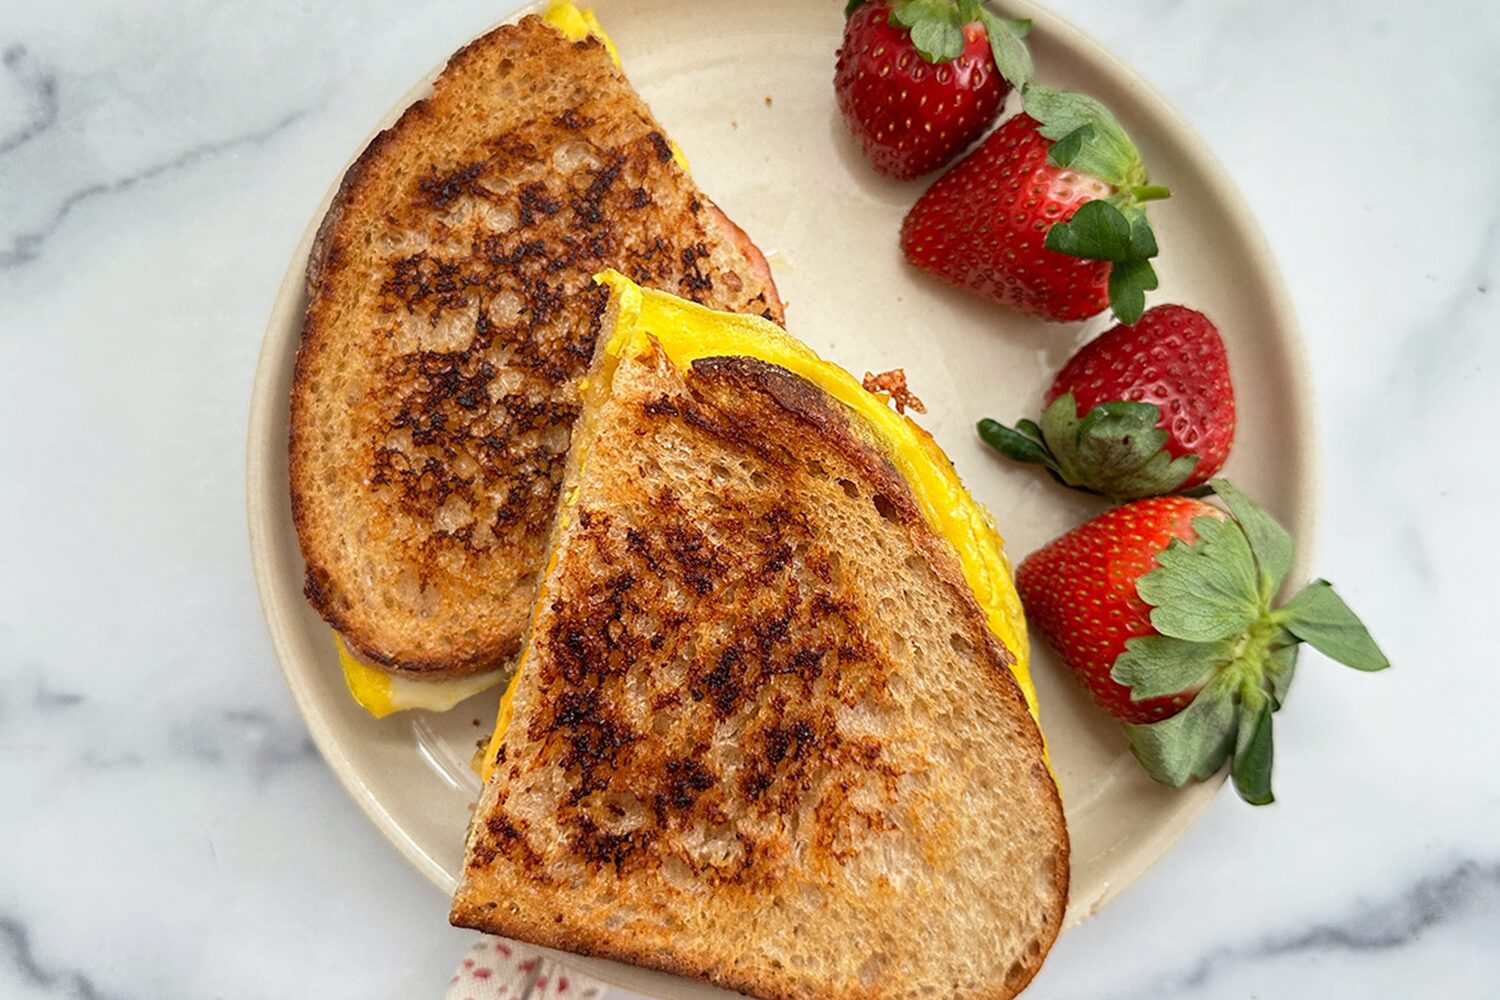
[16,953]
[41,86]
[1469,887]
[46,699]
[266,743]
[26,246]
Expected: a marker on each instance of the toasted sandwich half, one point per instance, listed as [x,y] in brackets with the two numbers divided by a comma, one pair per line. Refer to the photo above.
[766,731]
[452,311]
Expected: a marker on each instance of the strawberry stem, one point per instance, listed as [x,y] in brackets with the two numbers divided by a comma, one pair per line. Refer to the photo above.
[1151,192]
[1254,651]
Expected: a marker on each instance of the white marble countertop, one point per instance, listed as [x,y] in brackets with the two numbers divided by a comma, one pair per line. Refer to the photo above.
[166,828]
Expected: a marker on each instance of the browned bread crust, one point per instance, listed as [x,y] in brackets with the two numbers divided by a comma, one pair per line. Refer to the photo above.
[763,736]
[451,312]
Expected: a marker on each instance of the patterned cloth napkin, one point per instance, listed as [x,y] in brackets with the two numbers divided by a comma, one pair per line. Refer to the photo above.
[503,970]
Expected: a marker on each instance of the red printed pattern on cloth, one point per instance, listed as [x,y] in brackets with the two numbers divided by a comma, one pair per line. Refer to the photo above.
[503,970]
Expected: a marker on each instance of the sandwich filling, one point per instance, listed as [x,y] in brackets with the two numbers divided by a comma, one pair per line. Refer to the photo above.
[647,320]
[381,693]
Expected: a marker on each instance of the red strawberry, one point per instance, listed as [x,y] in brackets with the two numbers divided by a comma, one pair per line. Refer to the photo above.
[1046,216]
[1079,593]
[1141,411]
[919,80]
[1163,610]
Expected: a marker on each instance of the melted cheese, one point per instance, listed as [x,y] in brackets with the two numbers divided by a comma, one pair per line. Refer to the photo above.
[686,332]
[382,694]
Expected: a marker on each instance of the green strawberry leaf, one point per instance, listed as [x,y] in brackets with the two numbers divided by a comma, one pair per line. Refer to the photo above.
[1319,617]
[852,6]
[1015,445]
[1159,476]
[1018,26]
[1281,666]
[1097,231]
[1120,427]
[1100,230]
[1206,590]
[1012,57]
[936,28]
[1107,153]
[1154,666]
[1129,281]
[1194,743]
[1251,770]
[1270,542]
[1142,237]
[1065,150]
[1029,428]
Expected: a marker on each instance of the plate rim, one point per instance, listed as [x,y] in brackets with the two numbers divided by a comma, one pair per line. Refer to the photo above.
[284,325]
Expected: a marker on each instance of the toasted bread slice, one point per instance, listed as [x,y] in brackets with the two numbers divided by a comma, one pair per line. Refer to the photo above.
[762,735]
[451,314]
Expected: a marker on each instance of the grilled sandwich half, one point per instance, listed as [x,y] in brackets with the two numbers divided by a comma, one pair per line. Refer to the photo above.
[451,315]
[769,728]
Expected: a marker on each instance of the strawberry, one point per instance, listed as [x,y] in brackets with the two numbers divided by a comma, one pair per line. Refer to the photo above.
[1141,411]
[1079,593]
[919,80]
[1047,215]
[1163,608]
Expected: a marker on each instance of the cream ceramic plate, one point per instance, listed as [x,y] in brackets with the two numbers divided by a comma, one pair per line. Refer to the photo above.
[746,90]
